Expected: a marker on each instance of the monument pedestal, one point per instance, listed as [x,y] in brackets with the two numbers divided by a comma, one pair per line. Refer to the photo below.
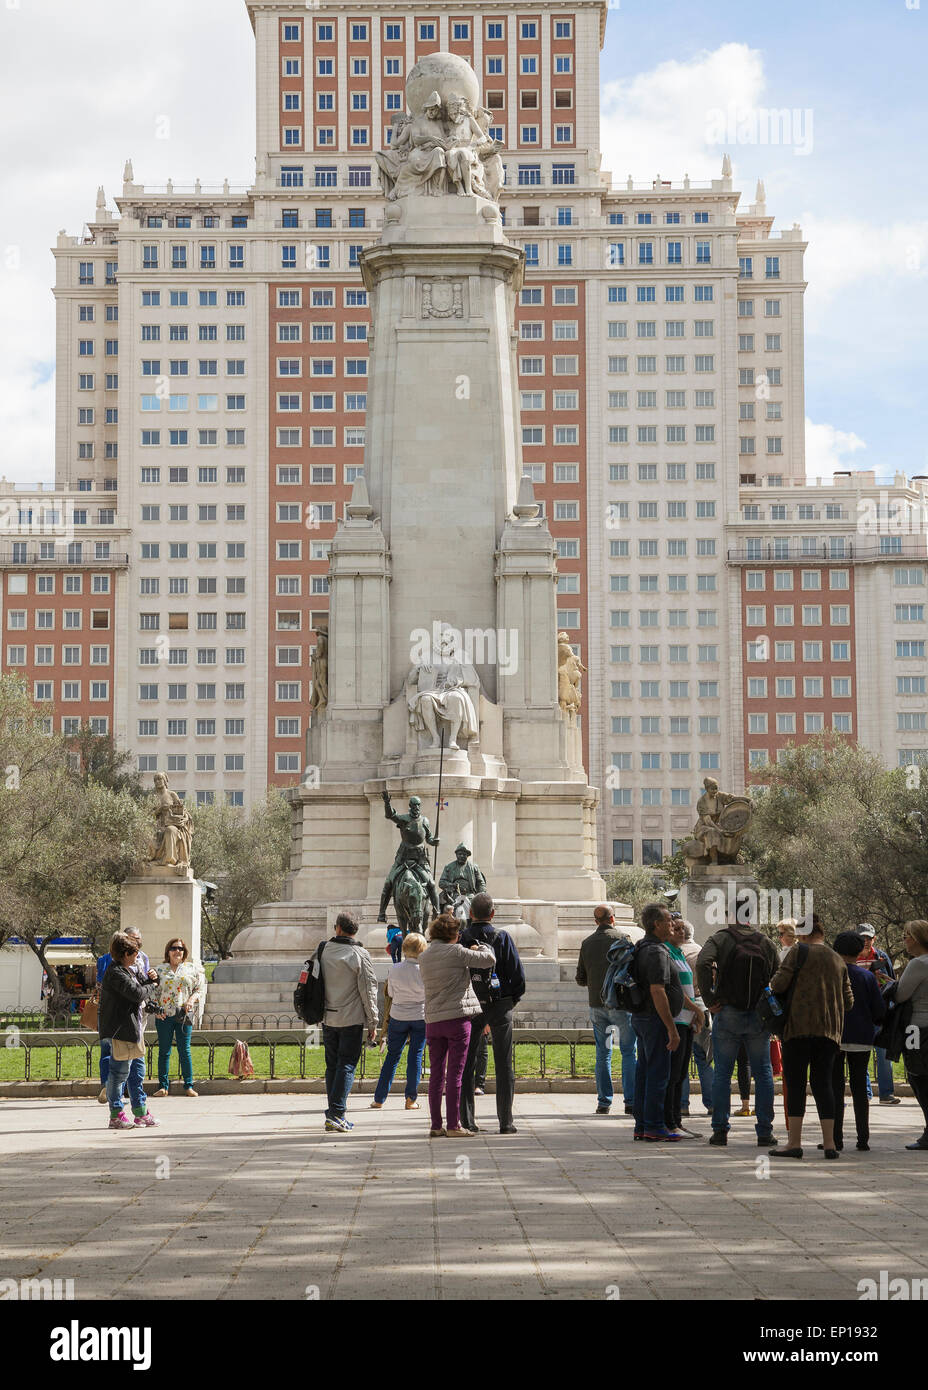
[162,905]
[709,898]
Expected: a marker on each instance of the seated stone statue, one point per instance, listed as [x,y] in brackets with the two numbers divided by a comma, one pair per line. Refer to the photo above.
[464,141]
[722,823]
[420,149]
[444,690]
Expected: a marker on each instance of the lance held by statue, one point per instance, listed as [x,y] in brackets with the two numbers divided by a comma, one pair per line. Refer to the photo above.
[410,881]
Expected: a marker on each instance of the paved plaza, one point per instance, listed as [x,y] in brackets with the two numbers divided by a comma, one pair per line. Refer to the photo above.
[245,1196]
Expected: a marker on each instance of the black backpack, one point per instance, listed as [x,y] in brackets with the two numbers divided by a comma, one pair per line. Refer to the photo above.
[744,971]
[309,995]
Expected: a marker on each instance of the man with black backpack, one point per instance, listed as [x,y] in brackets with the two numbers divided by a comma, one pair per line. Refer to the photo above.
[732,971]
[657,997]
[350,987]
[499,990]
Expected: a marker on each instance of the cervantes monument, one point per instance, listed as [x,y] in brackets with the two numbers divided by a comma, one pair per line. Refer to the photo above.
[442,624]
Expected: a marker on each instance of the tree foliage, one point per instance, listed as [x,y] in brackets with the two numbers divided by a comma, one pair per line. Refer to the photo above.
[247,857]
[66,840]
[835,821]
[632,884]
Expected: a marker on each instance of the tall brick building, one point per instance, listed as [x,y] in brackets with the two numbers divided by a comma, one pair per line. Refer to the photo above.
[211,419]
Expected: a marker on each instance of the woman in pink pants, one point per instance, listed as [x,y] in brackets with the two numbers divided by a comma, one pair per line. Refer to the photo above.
[450,1004]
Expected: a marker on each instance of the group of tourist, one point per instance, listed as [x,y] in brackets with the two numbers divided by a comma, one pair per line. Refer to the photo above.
[455,988]
[834,1003]
[450,990]
[129,989]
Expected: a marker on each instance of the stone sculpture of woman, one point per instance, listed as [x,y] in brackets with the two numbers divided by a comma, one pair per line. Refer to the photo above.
[173,828]
[422,141]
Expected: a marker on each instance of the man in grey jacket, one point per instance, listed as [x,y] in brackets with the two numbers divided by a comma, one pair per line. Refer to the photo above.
[350,1008]
[591,971]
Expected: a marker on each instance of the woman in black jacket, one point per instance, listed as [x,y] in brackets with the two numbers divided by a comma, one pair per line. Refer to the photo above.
[124,998]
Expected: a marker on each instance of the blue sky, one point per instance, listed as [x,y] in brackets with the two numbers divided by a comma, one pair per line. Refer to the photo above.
[859,195]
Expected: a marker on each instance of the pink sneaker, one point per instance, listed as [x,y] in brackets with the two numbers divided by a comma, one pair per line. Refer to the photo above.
[120,1121]
[145,1121]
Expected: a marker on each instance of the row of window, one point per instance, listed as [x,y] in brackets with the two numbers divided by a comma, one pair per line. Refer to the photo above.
[652,851]
[812,723]
[647,472]
[205,656]
[70,656]
[178,439]
[207,260]
[17,619]
[206,511]
[785,615]
[651,690]
[180,332]
[233,691]
[235,473]
[359,176]
[76,553]
[647,365]
[205,728]
[651,796]
[809,579]
[460,30]
[648,547]
[650,724]
[676,583]
[786,651]
[617,512]
[209,220]
[676,655]
[812,687]
[673,434]
[644,328]
[783,547]
[180,299]
[180,550]
[48,583]
[651,617]
[669,252]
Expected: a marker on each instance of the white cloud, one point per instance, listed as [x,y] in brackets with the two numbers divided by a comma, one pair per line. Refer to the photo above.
[82,88]
[826,448]
[659,122]
[842,252]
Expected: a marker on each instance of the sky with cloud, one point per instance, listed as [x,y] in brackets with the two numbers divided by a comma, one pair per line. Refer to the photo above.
[86,85]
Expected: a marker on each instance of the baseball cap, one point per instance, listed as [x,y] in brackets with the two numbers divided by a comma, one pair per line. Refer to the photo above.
[866,929]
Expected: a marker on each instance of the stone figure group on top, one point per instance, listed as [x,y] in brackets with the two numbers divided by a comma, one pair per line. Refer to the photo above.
[445,148]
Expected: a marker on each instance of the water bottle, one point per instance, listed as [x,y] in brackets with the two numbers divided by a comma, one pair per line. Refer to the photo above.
[776,1007]
[494,982]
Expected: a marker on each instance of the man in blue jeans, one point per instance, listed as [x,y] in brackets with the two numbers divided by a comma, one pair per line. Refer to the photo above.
[350,1007]
[661,997]
[875,959]
[591,971]
[732,970]
[135,1083]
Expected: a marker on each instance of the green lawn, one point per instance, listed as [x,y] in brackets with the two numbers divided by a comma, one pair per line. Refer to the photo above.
[287,1062]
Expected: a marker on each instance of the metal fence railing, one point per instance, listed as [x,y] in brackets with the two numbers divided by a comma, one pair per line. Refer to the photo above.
[220,1042]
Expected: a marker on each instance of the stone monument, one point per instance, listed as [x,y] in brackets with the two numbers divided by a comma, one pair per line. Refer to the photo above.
[442,649]
[162,898]
[715,888]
